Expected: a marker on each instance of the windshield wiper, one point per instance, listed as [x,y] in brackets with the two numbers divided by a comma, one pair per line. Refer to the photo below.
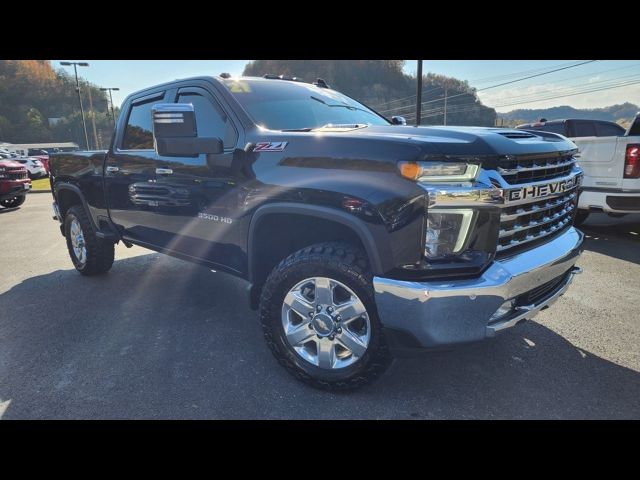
[306,129]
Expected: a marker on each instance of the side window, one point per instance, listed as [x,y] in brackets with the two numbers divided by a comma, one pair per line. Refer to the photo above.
[138,134]
[584,129]
[609,130]
[211,121]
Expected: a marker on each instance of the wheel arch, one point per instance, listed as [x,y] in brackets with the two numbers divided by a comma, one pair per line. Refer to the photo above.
[68,195]
[344,223]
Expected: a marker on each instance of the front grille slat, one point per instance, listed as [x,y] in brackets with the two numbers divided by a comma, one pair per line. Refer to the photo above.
[537,223]
[519,170]
[535,167]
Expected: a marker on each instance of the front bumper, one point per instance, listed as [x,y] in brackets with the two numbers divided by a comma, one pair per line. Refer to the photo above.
[14,188]
[444,313]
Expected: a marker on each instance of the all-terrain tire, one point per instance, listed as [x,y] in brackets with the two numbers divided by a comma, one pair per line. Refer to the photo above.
[100,253]
[348,265]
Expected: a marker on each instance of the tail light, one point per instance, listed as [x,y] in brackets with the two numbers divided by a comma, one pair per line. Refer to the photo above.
[632,161]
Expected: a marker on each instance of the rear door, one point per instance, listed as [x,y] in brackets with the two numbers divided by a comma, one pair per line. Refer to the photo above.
[202,217]
[130,174]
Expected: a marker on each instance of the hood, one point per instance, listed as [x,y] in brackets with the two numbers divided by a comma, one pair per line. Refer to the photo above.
[396,142]
[470,140]
[10,164]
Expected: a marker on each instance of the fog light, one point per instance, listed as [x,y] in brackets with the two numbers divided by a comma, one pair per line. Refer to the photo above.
[505,309]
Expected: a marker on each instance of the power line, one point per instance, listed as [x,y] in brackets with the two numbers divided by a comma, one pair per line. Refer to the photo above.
[536,75]
[498,85]
[515,74]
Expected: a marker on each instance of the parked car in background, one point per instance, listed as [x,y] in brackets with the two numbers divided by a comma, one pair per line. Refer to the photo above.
[34,167]
[14,183]
[610,158]
[42,155]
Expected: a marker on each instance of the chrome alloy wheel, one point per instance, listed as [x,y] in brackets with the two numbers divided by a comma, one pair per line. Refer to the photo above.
[326,323]
[77,242]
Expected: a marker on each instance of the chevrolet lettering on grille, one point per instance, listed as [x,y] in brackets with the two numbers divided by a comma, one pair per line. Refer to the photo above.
[538,191]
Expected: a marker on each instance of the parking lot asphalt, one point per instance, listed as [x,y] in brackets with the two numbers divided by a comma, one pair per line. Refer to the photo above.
[161,338]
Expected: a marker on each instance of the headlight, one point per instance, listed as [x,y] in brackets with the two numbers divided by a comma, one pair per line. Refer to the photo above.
[447,231]
[439,171]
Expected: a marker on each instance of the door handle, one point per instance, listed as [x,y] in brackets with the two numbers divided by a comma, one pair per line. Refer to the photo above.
[112,169]
[164,171]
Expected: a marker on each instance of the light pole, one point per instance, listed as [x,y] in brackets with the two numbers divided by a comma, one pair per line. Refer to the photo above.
[113,115]
[75,69]
[419,94]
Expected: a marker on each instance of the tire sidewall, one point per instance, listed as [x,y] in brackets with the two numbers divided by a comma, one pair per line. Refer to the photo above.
[68,219]
[360,285]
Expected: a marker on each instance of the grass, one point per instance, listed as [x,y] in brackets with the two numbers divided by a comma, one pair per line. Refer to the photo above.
[41,184]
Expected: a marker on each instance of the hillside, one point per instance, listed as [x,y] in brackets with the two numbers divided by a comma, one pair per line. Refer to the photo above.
[614,113]
[40,104]
[382,85]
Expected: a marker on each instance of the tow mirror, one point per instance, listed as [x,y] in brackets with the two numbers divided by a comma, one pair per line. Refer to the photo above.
[397,120]
[176,134]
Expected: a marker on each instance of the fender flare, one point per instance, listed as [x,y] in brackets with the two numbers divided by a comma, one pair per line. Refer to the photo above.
[358,226]
[75,189]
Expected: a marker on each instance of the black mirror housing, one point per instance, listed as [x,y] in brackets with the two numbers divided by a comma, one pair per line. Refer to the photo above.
[176,134]
[398,120]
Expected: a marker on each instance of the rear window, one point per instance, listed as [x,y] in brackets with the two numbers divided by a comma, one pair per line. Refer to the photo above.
[584,129]
[605,129]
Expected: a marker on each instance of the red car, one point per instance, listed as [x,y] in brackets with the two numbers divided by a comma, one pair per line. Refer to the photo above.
[14,183]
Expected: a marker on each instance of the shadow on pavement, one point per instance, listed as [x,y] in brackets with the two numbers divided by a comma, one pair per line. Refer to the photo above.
[161,338]
[8,210]
[614,237]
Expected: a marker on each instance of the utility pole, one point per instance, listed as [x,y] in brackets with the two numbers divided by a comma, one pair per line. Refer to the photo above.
[445,106]
[75,70]
[419,94]
[113,115]
[93,120]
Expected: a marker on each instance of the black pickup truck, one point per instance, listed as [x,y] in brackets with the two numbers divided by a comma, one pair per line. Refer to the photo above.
[361,238]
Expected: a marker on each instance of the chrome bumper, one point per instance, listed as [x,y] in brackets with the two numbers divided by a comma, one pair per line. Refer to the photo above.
[443,313]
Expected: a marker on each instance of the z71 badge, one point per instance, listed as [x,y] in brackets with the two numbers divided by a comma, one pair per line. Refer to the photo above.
[537,191]
[270,146]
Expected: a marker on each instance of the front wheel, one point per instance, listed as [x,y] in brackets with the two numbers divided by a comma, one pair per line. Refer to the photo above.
[319,318]
[13,202]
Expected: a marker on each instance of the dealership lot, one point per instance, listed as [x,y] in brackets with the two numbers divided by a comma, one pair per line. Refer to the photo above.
[161,338]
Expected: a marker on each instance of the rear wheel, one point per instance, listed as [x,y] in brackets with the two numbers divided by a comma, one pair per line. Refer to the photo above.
[13,202]
[319,318]
[89,254]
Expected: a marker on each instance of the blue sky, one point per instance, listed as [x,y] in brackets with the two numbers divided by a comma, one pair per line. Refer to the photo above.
[132,75]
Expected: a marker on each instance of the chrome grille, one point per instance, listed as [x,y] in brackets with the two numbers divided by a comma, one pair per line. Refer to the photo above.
[517,170]
[16,173]
[526,223]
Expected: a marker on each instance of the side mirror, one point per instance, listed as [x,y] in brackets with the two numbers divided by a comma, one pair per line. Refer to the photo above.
[176,134]
[397,120]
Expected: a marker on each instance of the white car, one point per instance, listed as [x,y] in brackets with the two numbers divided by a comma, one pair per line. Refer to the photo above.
[34,167]
[610,158]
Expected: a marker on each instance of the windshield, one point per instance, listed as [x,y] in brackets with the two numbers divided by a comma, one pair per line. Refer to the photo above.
[284,105]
